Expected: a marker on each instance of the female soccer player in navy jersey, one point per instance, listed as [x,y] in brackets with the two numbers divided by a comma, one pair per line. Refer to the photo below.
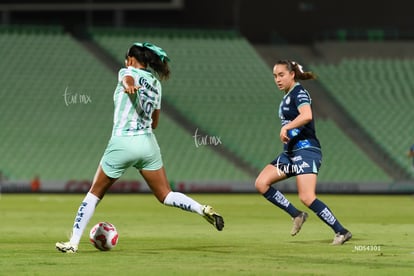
[302,154]
[137,100]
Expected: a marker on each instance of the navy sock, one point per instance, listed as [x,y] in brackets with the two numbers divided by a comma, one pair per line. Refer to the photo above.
[326,215]
[278,199]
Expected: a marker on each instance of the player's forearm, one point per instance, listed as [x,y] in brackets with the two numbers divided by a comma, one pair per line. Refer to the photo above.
[299,121]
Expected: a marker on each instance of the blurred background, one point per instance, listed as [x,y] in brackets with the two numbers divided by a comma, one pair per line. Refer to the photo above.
[219,126]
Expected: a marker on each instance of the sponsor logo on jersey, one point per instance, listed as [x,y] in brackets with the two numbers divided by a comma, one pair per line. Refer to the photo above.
[144,83]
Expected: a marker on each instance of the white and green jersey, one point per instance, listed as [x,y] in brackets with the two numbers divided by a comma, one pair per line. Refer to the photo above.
[133,112]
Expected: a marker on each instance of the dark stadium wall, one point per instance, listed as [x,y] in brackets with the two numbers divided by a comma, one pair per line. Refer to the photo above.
[259,21]
[306,20]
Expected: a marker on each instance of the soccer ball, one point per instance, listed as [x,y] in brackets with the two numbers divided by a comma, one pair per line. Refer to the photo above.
[103,236]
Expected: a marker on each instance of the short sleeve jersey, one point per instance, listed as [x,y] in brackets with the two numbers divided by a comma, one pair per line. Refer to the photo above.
[133,112]
[302,137]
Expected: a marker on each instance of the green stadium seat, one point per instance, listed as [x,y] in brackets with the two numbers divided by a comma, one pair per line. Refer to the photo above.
[45,136]
[226,88]
[218,82]
[378,93]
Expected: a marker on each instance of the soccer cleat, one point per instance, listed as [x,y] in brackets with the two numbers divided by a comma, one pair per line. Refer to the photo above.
[212,217]
[66,247]
[341,239]
[298,222]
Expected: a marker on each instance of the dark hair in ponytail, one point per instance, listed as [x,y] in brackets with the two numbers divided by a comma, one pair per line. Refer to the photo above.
[297,68]
[148,58]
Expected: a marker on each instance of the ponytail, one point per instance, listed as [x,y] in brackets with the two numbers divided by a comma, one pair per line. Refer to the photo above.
[300,74]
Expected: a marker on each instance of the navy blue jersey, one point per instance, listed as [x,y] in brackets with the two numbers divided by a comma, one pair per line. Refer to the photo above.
[304,136]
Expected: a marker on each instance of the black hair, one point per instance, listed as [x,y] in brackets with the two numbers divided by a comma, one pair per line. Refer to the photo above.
[148,58]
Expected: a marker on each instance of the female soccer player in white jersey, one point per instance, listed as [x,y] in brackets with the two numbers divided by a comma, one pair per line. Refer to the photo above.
[302,154]
[137,99]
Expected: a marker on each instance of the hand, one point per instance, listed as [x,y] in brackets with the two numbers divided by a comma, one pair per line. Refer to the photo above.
[131,89]
[284,135]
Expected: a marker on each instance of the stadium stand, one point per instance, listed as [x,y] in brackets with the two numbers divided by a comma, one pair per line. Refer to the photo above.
[228,89]
[343,160]
[57,114]
[217,81]
[43,131]
[57,117]
[378,94]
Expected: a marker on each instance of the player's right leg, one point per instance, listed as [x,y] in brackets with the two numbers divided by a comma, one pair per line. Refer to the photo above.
[100,185]
[157,181]
[267,177]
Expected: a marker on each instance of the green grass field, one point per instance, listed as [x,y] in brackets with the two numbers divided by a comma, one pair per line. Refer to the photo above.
[159,240]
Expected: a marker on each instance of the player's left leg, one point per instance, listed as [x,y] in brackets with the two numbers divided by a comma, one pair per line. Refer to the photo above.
[158,183]
[306,184]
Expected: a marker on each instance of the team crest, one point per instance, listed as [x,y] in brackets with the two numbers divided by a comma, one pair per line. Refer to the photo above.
[287,101]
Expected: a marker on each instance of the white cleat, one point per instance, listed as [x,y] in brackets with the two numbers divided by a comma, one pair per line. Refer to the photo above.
[212,217]
[66,247]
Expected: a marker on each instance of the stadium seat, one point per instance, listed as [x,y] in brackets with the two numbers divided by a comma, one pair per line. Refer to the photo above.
[377,93]
[218,82]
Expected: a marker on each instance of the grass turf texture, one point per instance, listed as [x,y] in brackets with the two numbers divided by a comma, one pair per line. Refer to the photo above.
[159,240]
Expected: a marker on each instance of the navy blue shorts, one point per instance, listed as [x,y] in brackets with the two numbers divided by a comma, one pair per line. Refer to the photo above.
[302,161]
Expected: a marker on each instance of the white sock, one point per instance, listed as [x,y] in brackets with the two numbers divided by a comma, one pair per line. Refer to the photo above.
[184,202]
[84,214]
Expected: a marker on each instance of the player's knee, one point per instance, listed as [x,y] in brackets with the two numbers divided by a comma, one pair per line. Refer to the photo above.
[307,199]
[261,185]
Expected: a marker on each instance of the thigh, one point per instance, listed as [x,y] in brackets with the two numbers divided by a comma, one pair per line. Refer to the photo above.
[306,164]
[158,182]
[268,176]
[306,184]
[101,183]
